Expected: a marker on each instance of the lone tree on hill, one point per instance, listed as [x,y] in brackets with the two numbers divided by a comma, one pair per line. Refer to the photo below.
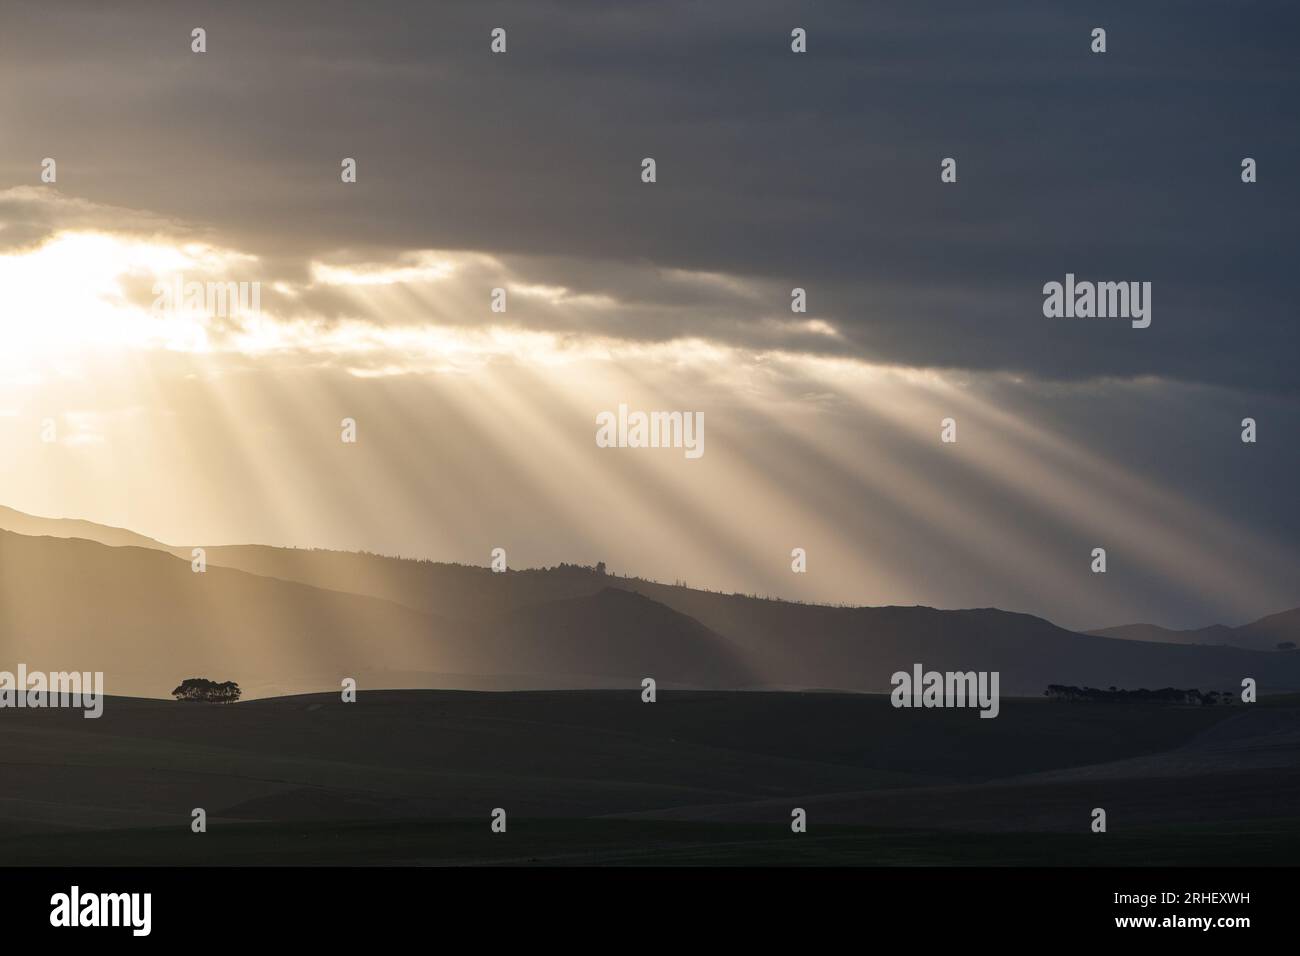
[200,688]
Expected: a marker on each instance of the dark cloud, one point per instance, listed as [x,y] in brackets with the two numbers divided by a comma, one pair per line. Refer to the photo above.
[818,170]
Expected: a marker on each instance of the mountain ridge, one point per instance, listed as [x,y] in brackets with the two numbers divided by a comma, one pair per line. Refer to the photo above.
[295,620]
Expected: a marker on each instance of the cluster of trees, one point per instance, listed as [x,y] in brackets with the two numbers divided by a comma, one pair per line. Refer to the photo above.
[598,568]
[200,688]
[1165,695]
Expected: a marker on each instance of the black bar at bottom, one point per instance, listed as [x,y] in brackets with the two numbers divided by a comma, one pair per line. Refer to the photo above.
[532,904]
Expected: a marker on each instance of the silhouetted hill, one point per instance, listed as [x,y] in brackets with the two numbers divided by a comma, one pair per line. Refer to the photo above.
[17,521]
[460,591]
[1268,632]
[146,620]
[292,617]
[1262,635]
[793,645]
[604,633]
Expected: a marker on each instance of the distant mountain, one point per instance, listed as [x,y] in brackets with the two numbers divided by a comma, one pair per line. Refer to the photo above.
[17,521]
[1268,632]
[787,644]
[291,620]
[616,632]
[147,620]
[1262,635]
[1214,634]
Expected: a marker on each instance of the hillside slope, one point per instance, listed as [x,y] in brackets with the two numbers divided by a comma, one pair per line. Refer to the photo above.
[1264,634]
[314,612]
[147,620]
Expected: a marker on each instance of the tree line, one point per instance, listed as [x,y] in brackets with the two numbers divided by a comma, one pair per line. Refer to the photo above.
[1165,695]
[200,688]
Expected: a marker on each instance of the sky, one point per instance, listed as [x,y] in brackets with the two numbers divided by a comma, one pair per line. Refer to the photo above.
[774,170]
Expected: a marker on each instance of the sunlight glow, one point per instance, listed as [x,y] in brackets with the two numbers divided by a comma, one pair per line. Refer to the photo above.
[83,292]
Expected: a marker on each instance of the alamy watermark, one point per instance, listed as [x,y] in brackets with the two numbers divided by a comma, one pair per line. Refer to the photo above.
[946,689]
[225,300]
[651,430]
[1101,300]
[75,908]
[56,689]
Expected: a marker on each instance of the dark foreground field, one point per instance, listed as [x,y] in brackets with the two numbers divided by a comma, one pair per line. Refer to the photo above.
[411,777]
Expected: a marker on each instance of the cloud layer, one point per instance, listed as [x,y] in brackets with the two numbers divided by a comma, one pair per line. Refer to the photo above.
[776,170]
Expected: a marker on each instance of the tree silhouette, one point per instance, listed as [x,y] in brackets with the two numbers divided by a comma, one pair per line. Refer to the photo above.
[1165,695]
[202,689]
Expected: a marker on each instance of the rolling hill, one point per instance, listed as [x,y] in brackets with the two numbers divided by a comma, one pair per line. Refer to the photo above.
[598,777]
[146,620]
[1264,634]
[283,620]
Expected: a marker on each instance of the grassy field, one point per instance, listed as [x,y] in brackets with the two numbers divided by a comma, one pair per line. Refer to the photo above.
[552,842]
[410,777]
